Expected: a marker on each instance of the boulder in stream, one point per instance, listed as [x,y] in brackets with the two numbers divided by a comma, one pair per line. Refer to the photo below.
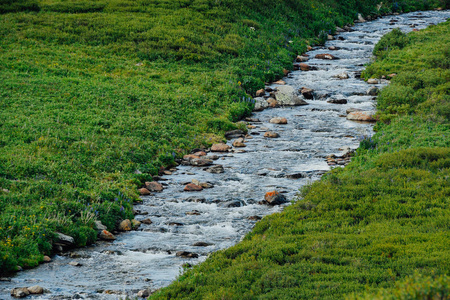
[144,192]
[326,56]
[364,116]
[260,104]
[20,292]
[216,169]
[275,198]
[271,134]
[278,120]
[190,187]
[106,235]
[125,225]
[186,254]
[154,186]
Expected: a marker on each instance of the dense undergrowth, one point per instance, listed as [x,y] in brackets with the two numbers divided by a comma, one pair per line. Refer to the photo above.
[377,229]
[96,96]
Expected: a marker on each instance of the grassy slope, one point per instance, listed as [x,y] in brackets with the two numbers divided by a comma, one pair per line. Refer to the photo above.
[93,90]
[362,228]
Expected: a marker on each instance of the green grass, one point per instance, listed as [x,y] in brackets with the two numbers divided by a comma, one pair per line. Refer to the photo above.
[365,231]
[93,91]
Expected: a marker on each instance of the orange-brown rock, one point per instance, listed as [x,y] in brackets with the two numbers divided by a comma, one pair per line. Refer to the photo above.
[190,187]
[272,102]
[260,93]
[280,82]
[364,116]
[278,120]
[125,225]
[220,148]
[304,67]
[144,192]
[106,235]
[271,134]
[154,186]
[326,56]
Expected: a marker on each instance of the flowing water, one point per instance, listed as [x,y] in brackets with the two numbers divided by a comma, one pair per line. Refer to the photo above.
[218,216]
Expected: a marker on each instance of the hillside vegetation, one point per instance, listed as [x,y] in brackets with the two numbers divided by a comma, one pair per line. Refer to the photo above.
[376,229]
[97,95]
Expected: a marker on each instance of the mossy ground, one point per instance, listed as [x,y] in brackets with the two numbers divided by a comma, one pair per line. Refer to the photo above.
[381,220]
[93,91]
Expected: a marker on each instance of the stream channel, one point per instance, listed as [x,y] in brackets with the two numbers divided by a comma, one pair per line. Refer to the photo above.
[219,216]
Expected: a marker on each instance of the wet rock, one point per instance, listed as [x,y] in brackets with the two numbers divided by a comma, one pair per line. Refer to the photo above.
[342,75]
[272,102]
[216,169]
[175,224]
[296,175]
[196,199]
[285,95]
[337,101]
[154,186]
[201,162]
[372,81]
[239,143]
[254,218]
[19,292]
[260,93]
[202,244]
[147,221]
[280,82]
[106,235]
[35,290]
[275,198]
[75,264]
[352,109]
[364,116]
[330,37]
[339,29]
[278,120]
[372,91]
[135,224]
[192,188]
[341,38]
[234,134]
[206,185]
[271,134]
[144,192]
[144,293]
[186,254]
[193,213]
[306,67]
[125,225]
[260,104]
[199,153]
[301,58]
[220,148]
[47,259]
[232,203]
[307,93]
[64,240]
[333,48]
[326,56]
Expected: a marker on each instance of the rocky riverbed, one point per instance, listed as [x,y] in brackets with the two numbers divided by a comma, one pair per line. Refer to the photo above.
[306,124]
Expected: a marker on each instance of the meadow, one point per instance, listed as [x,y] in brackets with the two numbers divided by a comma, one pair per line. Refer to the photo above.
[376,229]
[97,96]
